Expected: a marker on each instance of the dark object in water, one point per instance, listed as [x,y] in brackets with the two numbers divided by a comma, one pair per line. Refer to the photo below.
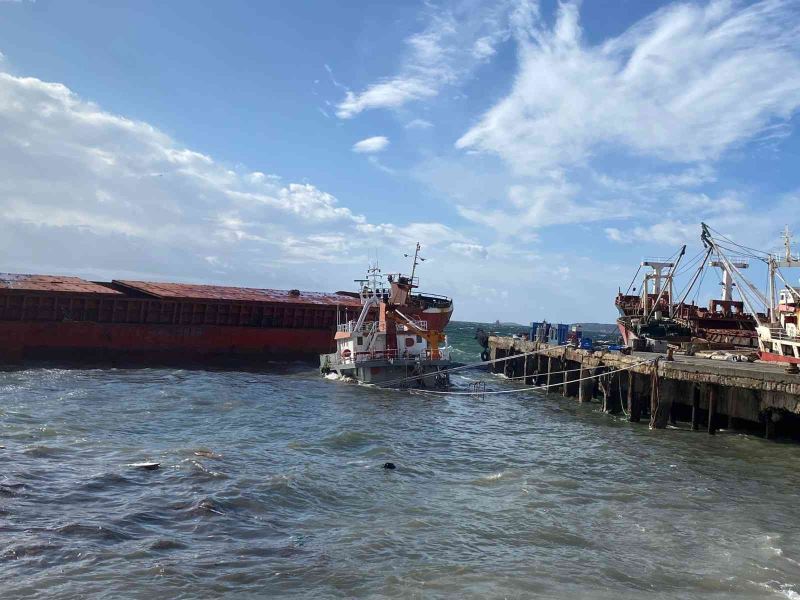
[148,466]
[389,465]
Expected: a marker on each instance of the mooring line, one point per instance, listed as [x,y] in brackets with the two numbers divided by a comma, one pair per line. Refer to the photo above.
[532,388]
[462,367]
[538,374]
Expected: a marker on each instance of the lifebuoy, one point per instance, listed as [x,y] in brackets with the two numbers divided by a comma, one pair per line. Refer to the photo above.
[485,355]
[346,353]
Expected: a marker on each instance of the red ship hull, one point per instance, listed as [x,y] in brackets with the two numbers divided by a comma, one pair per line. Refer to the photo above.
[158,344]
[772,357]
[70,319]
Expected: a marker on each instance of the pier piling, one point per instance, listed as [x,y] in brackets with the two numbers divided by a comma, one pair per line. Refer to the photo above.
[703,392]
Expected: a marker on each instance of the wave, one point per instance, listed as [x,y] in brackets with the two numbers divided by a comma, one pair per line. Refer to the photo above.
[349,439]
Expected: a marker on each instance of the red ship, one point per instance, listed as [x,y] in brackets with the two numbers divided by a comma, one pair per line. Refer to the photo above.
[68,318]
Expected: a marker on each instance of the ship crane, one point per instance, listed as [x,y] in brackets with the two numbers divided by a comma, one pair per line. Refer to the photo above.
[656,276]
[727,277]
[432,337]
[778,334]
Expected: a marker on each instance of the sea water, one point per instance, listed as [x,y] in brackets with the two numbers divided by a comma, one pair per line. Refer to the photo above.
[271,485]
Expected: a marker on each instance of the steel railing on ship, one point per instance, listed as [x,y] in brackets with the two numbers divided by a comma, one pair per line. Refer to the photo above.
[383,355]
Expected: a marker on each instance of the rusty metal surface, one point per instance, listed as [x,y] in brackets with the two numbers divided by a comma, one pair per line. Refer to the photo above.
[188,291]
[52,283]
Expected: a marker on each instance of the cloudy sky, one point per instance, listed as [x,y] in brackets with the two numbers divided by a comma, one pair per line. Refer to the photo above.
[537,150]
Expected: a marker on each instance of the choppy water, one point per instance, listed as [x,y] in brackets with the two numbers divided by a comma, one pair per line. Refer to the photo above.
[271,486]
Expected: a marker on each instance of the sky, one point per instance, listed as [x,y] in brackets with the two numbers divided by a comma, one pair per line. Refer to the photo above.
[537,150]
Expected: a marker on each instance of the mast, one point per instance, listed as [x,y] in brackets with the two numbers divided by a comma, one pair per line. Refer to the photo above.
[416,262]
[658,267]
[772,300]
[774,264]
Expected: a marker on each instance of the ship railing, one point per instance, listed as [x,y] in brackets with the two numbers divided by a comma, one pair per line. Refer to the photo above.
[423,325]
[779,333]
[366,328]
[397,277]
[376,355]
[390,354]
[432,296]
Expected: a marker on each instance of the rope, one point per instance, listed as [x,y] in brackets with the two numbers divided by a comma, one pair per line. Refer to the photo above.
[628,291]
[533,388]
[468,366]
[532,375]
[621,402]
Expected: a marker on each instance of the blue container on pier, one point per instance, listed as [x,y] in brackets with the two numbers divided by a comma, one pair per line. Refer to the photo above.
[558,334]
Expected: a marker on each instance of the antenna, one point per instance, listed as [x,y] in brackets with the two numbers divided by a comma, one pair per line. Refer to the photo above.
[417,259]
[787,242]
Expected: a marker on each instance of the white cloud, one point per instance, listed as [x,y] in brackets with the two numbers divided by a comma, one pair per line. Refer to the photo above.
[469,250]
[670,232]
[683,85]
[418,124]
[456,40]
[699,203]
[75,178]
[529,207]
[87,192]
[614,234]
[371,145]
[483,48]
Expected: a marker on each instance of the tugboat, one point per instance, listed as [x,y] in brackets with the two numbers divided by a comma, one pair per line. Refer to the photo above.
[394,347]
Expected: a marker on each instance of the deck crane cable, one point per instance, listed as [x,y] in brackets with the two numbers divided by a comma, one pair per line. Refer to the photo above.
[536,388]
[710,241]
[749,293]
[756,253]
[691,265]
[786,283]
[700,270]
[698,262]
[628,291]
[696,296]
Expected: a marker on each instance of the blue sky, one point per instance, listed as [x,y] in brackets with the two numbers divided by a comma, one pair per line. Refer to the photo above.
[537,150]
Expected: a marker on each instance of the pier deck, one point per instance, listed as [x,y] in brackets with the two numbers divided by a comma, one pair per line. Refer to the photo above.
[710,393]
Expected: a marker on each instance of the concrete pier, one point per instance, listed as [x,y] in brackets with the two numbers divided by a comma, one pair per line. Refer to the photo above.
[706,394]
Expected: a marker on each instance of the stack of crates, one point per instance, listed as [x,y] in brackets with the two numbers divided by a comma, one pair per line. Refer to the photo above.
[550,333]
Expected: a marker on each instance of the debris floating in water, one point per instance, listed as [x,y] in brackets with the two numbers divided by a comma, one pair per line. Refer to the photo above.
[148,466]
[206,454]
[389,465]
